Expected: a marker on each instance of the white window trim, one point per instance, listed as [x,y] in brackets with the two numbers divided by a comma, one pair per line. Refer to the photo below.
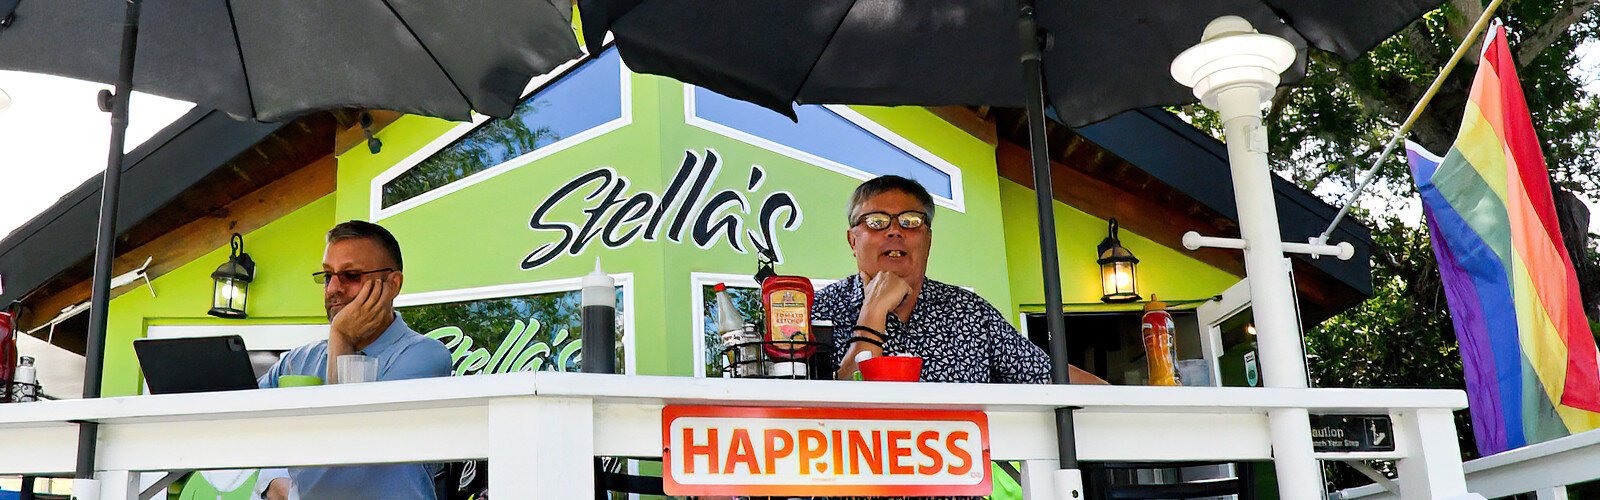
[956,201]
[624,280]
[375,203]
[698,281]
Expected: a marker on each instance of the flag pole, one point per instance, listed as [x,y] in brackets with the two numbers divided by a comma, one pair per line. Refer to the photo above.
[1411,120]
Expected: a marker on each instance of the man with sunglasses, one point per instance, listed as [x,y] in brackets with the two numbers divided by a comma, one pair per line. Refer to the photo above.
[890,304]
[361,275]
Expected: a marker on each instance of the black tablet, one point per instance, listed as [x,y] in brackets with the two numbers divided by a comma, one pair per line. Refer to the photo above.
[196,364]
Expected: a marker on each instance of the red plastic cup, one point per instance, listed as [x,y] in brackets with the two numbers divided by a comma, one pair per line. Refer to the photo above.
[892,369]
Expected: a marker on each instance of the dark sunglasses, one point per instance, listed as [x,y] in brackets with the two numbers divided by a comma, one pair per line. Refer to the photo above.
[324,277]
[878,221]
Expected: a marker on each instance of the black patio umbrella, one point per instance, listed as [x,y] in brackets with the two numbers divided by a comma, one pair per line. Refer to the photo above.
[273,60]
[1085,59]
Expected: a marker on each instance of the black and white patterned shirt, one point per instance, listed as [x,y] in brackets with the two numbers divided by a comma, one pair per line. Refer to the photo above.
[960,337]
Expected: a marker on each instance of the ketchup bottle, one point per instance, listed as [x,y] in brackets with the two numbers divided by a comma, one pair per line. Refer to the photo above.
[787,301]
[8,356]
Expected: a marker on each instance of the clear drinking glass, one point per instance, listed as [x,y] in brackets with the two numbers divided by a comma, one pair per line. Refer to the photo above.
[357,368]
[1194,372]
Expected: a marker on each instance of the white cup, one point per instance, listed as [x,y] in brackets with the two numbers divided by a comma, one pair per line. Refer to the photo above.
[357,368]
[787,369]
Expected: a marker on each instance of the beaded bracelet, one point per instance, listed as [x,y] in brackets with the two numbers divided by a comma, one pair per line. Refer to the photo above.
[860,328]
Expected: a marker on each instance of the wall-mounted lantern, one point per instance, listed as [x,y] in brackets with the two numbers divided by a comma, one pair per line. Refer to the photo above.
[1117,279]
[231,282]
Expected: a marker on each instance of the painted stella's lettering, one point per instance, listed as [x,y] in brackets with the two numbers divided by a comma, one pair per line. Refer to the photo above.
[619,219]
[517,352]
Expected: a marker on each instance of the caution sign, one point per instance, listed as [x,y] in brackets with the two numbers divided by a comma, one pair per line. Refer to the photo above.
[1351,433]
[824,451]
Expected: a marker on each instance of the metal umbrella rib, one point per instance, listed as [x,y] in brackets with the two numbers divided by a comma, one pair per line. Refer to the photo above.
[424,47]
[795,96]
[233,26]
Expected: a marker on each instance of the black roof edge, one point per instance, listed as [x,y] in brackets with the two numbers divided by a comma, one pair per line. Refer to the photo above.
[166,164]
[1193,162]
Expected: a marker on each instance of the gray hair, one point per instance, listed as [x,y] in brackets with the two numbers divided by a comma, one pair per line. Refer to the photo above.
[885,184]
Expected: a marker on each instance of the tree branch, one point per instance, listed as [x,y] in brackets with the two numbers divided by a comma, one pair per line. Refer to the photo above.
[1465,14]
[1547,33]
[1354,164]
[1280,99]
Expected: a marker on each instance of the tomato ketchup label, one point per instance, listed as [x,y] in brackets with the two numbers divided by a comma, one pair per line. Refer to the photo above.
[713,450]
[787,300]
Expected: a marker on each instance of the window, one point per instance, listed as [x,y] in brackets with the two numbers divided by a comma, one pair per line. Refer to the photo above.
[833,137]
[580,102]
[1110,345]
[747,300]
[511,329]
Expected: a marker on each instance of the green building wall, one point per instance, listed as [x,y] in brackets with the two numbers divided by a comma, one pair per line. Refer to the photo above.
[478,236]
[1166,272]
[286,252]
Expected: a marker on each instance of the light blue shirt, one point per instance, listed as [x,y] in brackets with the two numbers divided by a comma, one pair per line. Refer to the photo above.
[401,354]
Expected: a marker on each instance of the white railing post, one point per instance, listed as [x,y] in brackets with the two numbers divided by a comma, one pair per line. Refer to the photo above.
[1432,466]
[542,448]
[118,485]
[1038,479]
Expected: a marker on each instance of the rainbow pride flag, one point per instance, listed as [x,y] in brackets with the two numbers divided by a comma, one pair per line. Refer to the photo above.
[1532,370]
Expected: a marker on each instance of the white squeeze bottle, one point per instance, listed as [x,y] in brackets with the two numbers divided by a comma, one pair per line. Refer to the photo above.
[730,325]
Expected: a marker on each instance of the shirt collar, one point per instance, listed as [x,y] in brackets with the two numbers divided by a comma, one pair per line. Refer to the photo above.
[397,329]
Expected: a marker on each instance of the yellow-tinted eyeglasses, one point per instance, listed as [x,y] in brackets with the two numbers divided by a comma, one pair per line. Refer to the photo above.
[878,221]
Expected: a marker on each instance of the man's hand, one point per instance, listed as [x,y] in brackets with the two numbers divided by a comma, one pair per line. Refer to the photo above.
[360,322]
[278,489]
[884,294]
[365,317]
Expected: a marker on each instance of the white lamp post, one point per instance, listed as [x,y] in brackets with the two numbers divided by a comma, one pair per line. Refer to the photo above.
[1234,70]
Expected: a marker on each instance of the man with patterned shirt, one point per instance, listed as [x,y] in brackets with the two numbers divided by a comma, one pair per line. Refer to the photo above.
[960,336]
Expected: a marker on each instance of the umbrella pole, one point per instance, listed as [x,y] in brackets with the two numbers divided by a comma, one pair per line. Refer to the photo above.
[1068,480]
[105,249]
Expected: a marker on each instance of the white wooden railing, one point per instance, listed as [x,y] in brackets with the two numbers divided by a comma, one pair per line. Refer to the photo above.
[538,430]
[1545,469]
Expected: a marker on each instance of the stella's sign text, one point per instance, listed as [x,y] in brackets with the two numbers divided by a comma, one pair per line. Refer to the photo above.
[686,208]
